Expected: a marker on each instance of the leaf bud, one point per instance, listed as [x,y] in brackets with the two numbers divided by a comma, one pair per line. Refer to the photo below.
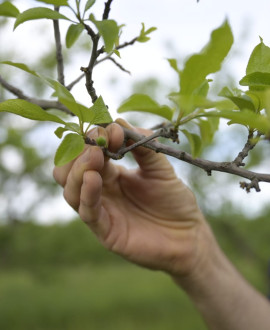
[101,141]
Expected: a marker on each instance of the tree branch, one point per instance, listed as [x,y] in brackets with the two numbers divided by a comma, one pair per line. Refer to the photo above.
[59,56]
[207,165]
[107,9]
[12,89]
[45,104]
[88,71]
[74,82]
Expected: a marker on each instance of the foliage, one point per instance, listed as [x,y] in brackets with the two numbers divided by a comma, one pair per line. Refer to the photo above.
[191,113]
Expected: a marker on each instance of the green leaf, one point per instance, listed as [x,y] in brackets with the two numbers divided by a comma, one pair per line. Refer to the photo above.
[144,103]
[8,9]
[73,33]
[89,4]
[150,30]
[63,94]
[188,103]
[116,52]
[69,149]
[173,64]
[109,31]
[60,131]
[98,113]
[208,128]
[65,97]
[28,110]
[73,127]
[55,2]
[259,60]
[245,118]
[194,142]
[203,89]
[209,60]
[260,98]
[38,13]
[256,79]
[241,101]
[21,66]
[143,34]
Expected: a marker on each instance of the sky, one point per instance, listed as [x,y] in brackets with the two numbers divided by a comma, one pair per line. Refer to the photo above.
[184,27]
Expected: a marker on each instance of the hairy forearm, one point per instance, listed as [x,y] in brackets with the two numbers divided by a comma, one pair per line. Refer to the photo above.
[224,298]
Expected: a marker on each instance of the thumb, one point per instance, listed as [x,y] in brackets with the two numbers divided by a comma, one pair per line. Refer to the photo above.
[148,160]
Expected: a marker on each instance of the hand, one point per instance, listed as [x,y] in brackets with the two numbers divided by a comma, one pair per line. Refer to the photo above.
[146,215]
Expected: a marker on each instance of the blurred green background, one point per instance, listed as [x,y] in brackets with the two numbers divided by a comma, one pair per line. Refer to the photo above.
[59,277]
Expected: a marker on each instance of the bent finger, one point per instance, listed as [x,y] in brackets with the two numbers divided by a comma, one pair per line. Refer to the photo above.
[60,173]
[115,136]
[149,161]
[91,210]
[91,159]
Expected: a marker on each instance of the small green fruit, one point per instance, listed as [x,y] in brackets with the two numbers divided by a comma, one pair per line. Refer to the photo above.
[101,141]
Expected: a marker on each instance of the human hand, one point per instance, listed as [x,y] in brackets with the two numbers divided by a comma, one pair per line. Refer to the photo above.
[146,215]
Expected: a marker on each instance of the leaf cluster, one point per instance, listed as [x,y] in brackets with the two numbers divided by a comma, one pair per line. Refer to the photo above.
[192,109]
[73,143]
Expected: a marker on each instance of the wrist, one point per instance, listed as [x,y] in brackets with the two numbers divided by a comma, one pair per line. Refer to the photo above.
[210,266]
[224,298]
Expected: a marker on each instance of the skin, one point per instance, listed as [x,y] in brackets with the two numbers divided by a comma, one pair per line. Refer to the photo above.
[151,218]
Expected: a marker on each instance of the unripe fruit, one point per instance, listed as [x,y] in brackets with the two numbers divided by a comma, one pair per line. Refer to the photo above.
[101,141]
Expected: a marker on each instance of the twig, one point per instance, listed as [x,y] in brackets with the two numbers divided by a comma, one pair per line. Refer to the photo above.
[107,9]
[207,165]
[12,89]
[108,57]
[248,186]
[59,56]
[144,139]
[250,144]
[74,82]
[45,104]
[128,43]
[88,72]
[118,65]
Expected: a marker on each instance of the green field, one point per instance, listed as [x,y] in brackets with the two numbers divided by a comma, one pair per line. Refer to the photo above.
[100,297]
[59,277]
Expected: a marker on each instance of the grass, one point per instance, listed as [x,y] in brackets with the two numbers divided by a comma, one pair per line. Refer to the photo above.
[100,297]
[60,278]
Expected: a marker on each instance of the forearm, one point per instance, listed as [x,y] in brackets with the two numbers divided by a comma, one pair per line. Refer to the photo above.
[225,299]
